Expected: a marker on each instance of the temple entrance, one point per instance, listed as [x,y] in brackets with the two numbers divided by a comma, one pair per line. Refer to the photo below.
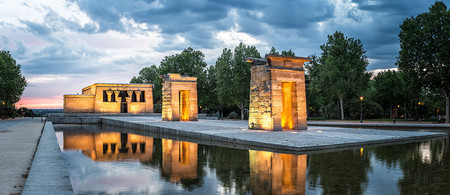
[184,105]
[287,112]
[123,105]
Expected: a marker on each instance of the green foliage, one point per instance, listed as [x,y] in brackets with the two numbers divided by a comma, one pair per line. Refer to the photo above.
[425,48]
[340,71]
[157,108]
[370,109]
[12,83]
[233,115]
[233,76]
[273,51]
[288,53]
[150,75]
[390,89]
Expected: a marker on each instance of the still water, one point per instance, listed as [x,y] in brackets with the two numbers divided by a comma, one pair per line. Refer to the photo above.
[105,160]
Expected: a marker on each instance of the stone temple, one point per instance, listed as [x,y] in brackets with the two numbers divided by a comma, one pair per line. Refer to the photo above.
[179,98]
[277,93]
[111,98]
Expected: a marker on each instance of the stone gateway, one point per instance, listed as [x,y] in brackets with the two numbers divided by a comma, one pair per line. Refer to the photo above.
[179,98]
[277,93]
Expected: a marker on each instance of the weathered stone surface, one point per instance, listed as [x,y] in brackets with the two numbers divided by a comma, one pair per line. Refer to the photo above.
[179,96]
[266,93]
[109,98]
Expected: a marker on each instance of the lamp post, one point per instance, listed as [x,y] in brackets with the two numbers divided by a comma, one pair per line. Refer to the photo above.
[360,115]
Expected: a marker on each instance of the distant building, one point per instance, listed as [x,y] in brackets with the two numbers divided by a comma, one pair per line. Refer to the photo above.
[111,98]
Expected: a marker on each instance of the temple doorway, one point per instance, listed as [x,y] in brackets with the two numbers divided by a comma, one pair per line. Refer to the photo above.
[123,105]
[287,113]
[184,105]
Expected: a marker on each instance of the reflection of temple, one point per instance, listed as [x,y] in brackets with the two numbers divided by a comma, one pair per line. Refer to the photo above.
[110,146]
[179,160]
[274,173]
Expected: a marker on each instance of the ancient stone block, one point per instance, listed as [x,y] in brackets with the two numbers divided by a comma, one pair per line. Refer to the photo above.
[179,94]
[111,98]
[277,93]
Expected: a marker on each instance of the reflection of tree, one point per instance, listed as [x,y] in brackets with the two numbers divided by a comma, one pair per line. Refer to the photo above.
[339,172]
[425,165]
[231,166]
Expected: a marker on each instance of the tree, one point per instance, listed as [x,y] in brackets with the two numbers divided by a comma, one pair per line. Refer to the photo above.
[389,87]
[12,83]
[273,51]
[189,62]
[150,75]
[288,53]
[233,76]
[340,71]
[424,49]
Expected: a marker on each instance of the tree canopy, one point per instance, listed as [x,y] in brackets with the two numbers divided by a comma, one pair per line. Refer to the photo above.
[340,71]
[425,48]
[12,83]
[233,76]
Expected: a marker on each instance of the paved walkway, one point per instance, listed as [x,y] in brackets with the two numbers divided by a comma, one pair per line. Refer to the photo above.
[48,174]
[18,142]
[236,132]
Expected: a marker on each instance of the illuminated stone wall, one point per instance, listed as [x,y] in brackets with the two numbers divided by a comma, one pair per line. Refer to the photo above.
[277,93]
[179,98]
[179,160]
[111,98]
[110,146]
[275,173]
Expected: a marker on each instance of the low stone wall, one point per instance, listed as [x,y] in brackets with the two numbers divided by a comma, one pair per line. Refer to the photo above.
[382,125]
[87,118]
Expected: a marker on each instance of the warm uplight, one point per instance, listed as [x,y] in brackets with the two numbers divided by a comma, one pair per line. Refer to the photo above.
[184,105]
[361,151]
[286,113]
[361,98]
[398,106]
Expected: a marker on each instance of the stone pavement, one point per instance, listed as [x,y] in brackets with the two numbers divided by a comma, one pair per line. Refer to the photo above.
[48,174]
[18,142]
[237,133]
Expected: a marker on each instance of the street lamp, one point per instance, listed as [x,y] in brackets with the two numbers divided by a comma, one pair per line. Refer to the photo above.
[360,115]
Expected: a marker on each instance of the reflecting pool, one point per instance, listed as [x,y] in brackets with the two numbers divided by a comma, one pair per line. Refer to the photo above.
[105,160]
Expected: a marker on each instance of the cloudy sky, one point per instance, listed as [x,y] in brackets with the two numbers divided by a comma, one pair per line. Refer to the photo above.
[64,46]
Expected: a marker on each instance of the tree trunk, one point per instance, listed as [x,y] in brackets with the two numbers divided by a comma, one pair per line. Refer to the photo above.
[447,106]
[341,101]
[242,107]
[406,112]
[390,111]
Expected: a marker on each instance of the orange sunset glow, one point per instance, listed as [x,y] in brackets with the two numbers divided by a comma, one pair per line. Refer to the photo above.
[41,103]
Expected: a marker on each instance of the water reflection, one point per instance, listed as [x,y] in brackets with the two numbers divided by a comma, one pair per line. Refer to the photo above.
[179,160]
[275,173]
[110,146]
[143,164]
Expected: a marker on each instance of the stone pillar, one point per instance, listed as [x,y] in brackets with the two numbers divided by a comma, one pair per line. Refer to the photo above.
[130,93]
[116,93]
[277,93]
[109,97]
[138,95]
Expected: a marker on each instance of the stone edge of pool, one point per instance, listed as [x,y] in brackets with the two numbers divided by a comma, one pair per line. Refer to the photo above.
[48,173]
[163,131]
